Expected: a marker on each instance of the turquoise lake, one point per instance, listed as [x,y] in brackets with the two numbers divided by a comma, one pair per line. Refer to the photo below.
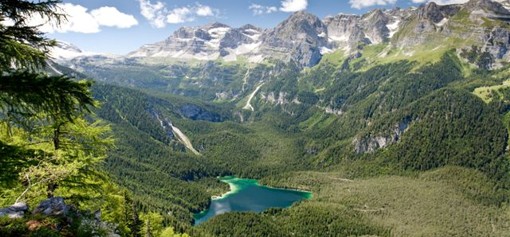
[249,195]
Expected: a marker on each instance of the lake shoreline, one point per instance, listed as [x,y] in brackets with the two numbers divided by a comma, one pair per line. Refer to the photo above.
[234,188]
[236,185]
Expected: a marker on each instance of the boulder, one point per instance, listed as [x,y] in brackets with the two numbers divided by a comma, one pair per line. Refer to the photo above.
[54,206]
[15,211]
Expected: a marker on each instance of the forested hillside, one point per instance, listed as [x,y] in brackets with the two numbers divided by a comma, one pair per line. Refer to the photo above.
[399,122]
[393,138]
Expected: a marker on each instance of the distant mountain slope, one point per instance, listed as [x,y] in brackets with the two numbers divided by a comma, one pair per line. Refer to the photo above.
[304,38]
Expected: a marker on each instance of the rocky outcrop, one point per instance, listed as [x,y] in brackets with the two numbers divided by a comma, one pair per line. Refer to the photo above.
[197,113]
[54,206]
[498,43]
[89,225]
[15,211]
[369,144]
[275,98]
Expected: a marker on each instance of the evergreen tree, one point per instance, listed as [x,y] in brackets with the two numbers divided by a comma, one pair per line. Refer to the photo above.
[44,115]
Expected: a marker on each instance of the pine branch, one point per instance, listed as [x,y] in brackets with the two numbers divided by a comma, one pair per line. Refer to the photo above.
[58,96]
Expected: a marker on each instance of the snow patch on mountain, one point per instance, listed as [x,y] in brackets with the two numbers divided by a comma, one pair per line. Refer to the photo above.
[393,27]
[442,22]
[64,52]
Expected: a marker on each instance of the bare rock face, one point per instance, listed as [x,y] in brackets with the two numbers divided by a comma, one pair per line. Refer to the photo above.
[54,206]
[370,144]
[436,13]
[350,31]
[235,38]
[498,42]
[375,25]
[345,30]
[197,113]
[299,38]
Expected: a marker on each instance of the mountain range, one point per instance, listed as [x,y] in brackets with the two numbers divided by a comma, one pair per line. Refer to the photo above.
[305,39]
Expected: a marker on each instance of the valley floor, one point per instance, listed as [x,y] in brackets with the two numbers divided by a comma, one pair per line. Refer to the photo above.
[434,203]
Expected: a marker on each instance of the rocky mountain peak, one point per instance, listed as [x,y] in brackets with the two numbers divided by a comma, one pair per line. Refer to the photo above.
[299,38]
[68,47]
[64,51]
[299,24]
[250,27]
[304,38]
[436,13]
[489,6]
[375,15]
[375,25]
[216,25]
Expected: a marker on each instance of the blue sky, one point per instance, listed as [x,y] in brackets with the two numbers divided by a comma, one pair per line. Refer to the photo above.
[121,26]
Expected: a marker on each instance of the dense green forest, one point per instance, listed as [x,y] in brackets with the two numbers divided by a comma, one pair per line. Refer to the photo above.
[436,126]
[398,148]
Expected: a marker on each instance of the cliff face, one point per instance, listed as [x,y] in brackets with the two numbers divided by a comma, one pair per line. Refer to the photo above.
[299,38]
[371,143]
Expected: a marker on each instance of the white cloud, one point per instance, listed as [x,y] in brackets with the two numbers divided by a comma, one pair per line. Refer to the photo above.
[204,10]
[179,15]
[293,5]
[155,13]
[159,15]
[80,20]
[260,10]
[441,2]
[368,3]
[110,16]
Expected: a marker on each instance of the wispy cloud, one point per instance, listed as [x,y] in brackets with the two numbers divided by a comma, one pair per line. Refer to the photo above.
[159,15]
[285,6]
[155,13]
[441,2]
[202,10]
[358,4]
[261,10]
[293,5]
[81,20]
[179,15]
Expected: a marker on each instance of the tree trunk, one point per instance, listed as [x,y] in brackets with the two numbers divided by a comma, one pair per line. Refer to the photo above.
[56,138]
[51,189]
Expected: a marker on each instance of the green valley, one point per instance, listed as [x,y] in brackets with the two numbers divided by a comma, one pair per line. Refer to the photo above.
[398,124]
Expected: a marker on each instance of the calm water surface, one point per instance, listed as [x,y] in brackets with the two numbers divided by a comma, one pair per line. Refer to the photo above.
[249,195]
